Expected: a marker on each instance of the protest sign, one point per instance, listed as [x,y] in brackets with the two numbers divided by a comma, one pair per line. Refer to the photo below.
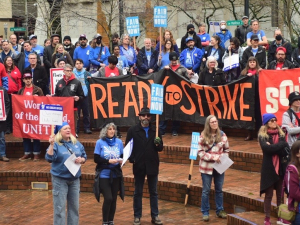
[2,106]
[231,62]
[194,145]
[157,99]
[55,75]
[133,26]
[160,16]
[51,114]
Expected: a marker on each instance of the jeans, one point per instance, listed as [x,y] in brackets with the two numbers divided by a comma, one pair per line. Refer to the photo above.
[206,183]
[84,106]
[163,126]
[64,191]
[28,146]
[138,194]
[2,144]
[297,219]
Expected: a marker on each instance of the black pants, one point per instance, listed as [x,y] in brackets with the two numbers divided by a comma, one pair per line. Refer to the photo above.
[110,193]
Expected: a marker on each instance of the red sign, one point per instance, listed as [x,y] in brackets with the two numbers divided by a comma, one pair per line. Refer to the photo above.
[2,106]
[274,89]
[26,111]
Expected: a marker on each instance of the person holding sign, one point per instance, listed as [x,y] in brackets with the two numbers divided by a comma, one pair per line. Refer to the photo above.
[30,89]
[145,161]
[6,108]
[213,145]
[65,185]
[167,36]
[147,58]
[108,156]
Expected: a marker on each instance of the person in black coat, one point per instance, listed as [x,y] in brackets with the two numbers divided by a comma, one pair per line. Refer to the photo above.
[38,72]
[281,63]
[3,126]
[242,31]
[190,33]
[296,55]
[272,142]
[145,161]
[48,52]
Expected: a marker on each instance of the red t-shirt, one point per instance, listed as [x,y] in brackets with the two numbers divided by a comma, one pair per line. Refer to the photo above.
[111,73]
[28,91]
[174,68]
[279,66]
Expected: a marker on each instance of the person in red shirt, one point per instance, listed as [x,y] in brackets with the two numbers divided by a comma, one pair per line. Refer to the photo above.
[281,63]
[30,89]
[111,70]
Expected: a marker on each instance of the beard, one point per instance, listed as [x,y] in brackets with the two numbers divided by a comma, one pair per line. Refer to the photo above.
[145,122]
[82,44]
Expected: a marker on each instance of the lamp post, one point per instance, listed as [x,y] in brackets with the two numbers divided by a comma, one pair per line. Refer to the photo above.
[26,19]
[5,30]
[246,8]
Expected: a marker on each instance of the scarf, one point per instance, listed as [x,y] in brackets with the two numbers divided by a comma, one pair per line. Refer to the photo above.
[110,141]
[253,72]
[275,158]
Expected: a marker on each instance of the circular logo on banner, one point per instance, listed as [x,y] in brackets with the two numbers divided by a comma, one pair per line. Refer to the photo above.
[173,94]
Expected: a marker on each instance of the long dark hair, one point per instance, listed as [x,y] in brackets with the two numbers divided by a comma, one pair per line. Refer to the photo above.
[294,151]
[245,71]
[218,39]
[5,65]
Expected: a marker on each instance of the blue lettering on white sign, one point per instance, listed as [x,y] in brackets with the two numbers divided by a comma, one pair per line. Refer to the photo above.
[51,107]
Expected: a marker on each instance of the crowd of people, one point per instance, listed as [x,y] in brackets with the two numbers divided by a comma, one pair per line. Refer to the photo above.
[201,58]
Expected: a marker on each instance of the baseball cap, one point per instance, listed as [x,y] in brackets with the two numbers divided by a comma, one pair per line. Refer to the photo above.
[27,75]
[32,36]
[245,17]
[97,35]
[189,39]
[254,37]
[281,48]
[82,36]
[173,56]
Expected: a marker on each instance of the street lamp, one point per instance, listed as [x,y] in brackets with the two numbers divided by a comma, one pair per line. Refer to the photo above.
[26,19]
[246,8]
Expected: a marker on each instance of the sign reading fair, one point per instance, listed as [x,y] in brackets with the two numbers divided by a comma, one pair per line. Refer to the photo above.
[194,145]
[133,26]
[160,16]
[51,114]
[157,99]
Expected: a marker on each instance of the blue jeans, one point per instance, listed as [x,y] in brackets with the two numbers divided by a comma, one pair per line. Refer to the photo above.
[138,194]
[297,220]
[84,106]
[64,191]
[163,126]
[28,146]
[2,144]
[206,183]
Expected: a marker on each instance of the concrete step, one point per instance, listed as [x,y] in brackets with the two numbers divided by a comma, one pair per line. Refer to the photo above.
[248,218]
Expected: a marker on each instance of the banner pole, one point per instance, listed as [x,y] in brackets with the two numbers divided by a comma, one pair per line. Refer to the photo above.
[52,130]
[189,182]
[157,124]
[230,59]
[160,40]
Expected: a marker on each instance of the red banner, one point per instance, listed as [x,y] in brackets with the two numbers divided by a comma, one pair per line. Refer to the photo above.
[274,89]
[26,112]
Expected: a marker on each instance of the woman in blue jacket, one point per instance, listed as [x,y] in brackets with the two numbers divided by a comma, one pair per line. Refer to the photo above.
[65,185]
[108,156]
[128,51]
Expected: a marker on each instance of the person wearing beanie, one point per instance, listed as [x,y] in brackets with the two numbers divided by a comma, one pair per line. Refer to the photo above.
[290,118]
[272,142]
[281,63]
[65,185]
[192,34]
[61,62]
[224,35]
[68,46]
[296,55]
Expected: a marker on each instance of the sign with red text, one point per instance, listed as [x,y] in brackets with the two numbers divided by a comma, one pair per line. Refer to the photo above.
[274,89]
[2,106]
[26,113]
[55,75]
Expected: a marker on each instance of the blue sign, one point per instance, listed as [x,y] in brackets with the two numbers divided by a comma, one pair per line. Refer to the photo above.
[160,16]
[194,145]
[133,26]
[157,99]
[51,107]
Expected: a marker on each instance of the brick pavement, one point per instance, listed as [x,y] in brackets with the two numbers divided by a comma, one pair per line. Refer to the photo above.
[36,208]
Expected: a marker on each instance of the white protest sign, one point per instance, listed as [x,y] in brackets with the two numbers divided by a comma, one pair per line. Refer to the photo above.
[2,106]
[55,75]
[127,151]
[51,114]
[231,62]
[214,26]
[157,99]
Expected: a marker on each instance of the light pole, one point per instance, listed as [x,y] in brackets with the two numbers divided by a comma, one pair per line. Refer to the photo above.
[26,19]
[5,30]
[246,8]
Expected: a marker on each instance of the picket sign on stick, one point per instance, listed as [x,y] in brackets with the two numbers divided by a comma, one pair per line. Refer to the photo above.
[230,58]
[157,102]
[160,40]
[193,156]
[160,20]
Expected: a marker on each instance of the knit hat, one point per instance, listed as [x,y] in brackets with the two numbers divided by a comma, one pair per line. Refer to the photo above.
[173,56]
[293,97]
[58,127]
[60,60]
[190,26]
[281,48]
[267,117]
[67,38]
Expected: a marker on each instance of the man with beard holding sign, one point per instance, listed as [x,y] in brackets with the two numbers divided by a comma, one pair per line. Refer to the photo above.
[145,161]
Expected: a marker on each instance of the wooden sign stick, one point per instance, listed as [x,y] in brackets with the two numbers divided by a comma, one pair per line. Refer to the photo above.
[189,183]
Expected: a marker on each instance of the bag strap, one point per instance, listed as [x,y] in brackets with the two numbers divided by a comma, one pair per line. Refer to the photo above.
[290,112]
[9,74]
[99,56]
[288,188]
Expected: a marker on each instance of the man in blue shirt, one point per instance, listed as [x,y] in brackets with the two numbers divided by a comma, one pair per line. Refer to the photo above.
[35,47]
[224,34]
[83,51]
[191,57]
[262,39]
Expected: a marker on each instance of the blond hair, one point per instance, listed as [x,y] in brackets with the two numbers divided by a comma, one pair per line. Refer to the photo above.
[263,131]
[58,137]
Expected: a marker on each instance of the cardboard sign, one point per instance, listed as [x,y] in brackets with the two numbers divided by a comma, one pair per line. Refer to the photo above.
[2,106]
[133,26]
[51,114]
[214,26]
[157,99]
[55,75]
[194,145]
[160,16]
[230,63]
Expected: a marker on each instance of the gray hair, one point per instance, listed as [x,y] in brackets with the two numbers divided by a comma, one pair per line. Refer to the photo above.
[103,132]
[68,66]
[147,39]
[32,53]
[211,59]
[123,36]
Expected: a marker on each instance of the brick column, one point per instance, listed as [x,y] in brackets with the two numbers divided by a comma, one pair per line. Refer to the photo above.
[151,31]
[100,27]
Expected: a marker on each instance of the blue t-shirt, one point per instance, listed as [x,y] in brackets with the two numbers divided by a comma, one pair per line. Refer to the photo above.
[215,53]
[259,33]
[188,60]
[146,130]
[39,50]
[148,55]
[106,151]
[254,51]
[204,37]
[165,61]
[82,53]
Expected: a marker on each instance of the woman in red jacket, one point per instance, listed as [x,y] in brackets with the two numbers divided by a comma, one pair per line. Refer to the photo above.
[14,85]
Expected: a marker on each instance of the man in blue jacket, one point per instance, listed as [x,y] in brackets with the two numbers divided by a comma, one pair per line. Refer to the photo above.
[224,34]
[191,57]
[83,51]
[147,58]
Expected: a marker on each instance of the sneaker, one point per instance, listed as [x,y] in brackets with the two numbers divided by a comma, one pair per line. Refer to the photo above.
[4,159]
[267,221]
[25,158]
[87,131]
[174,133]
[282,222]
[205,218]
[111,223]
[137,221]
[222,214]
[36,157]
[156,220]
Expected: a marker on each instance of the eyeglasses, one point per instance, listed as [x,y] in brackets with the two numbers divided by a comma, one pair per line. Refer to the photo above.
[144,115]
[273,120]
[68,71]
[214,121]
[82,39]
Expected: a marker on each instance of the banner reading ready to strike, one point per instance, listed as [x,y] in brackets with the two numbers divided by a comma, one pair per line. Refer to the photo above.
[26,112]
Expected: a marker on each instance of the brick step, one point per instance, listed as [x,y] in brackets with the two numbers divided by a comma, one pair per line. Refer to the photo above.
[240,188]
[248,218]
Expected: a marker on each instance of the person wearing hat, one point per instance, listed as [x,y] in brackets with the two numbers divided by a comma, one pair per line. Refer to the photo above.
[176,66]
[35,47]
[61,62]
[145,159]
[224,34]
[262,39]
[83,51]
[254,50]
[290,118]
[65,185]
[190,34]
[279,42]
[30,89]
[281,63]
[191,57]
[242,31]
[272,142]
[68,46]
